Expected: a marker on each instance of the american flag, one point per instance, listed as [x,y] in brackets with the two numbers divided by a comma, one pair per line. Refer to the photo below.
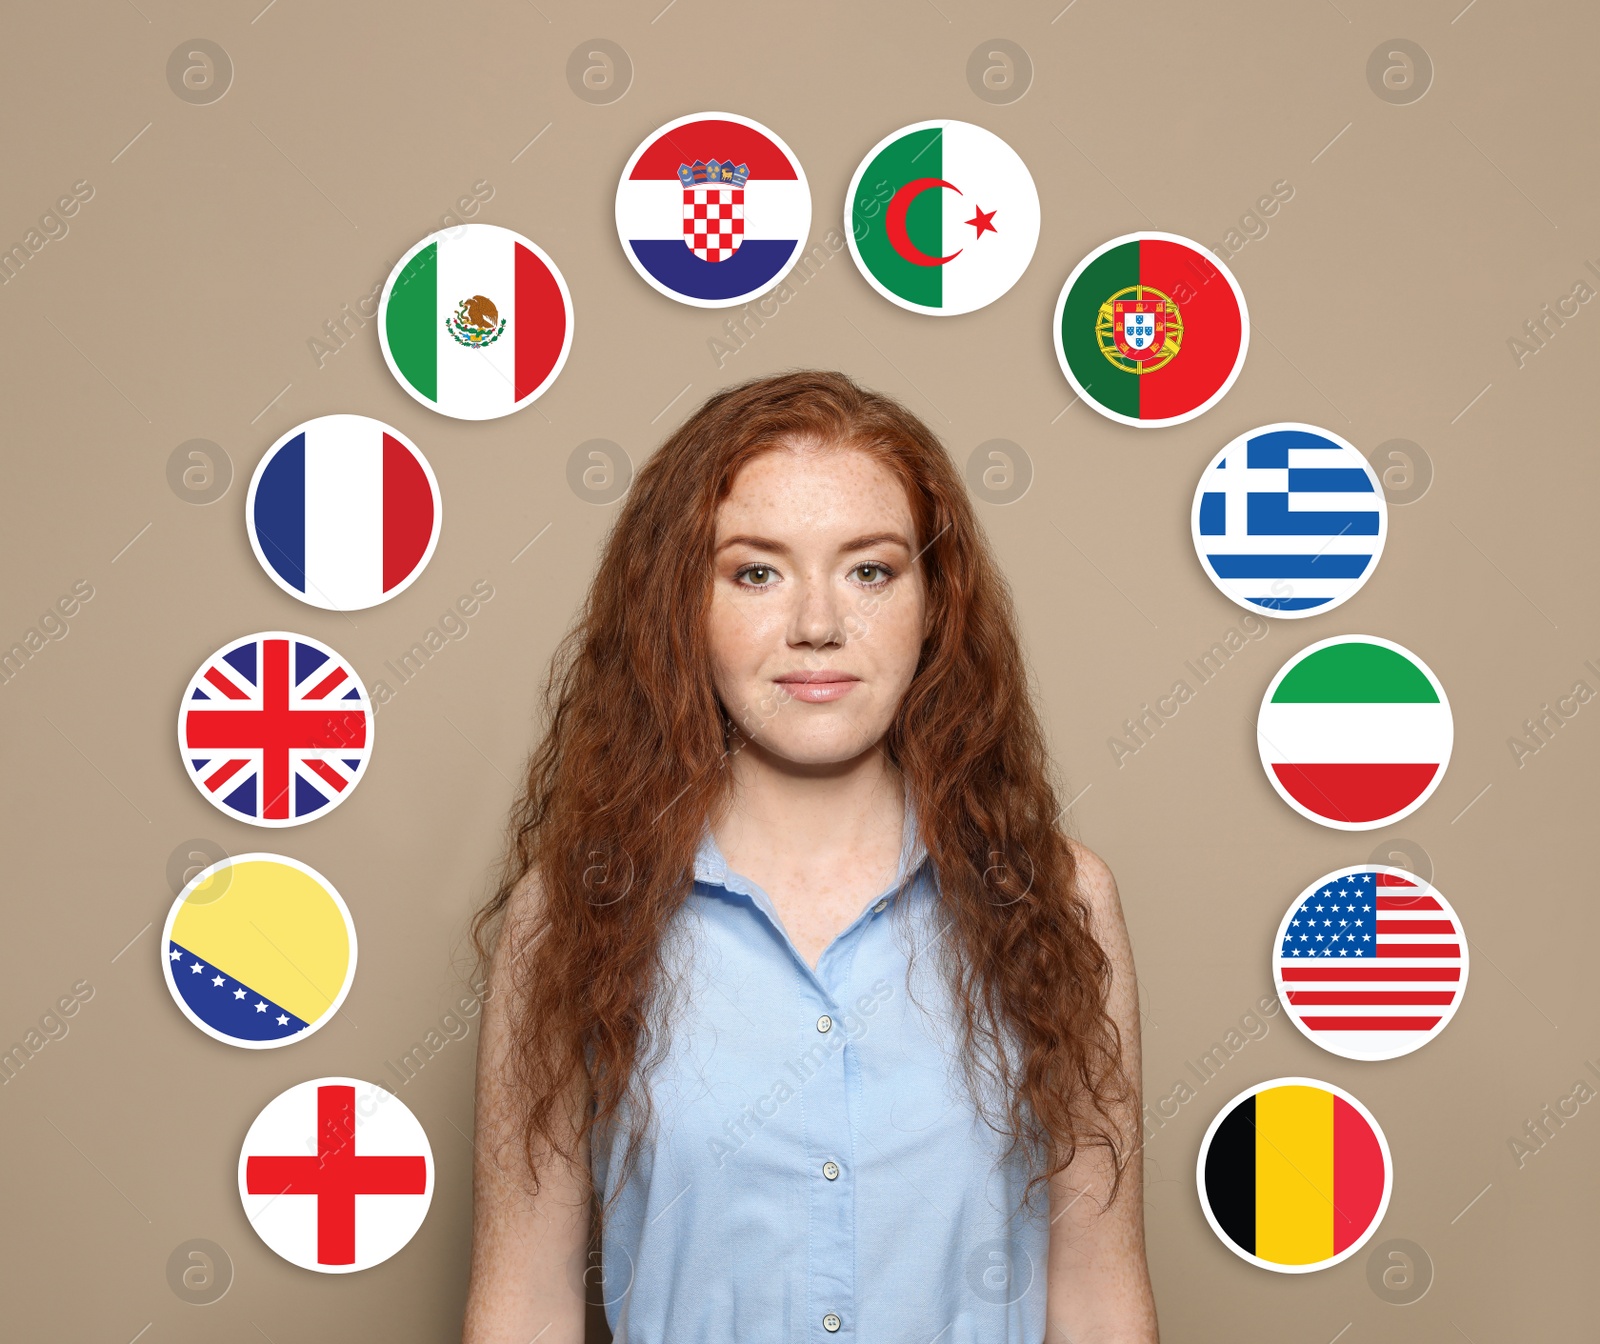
[1371,964]
[275,729]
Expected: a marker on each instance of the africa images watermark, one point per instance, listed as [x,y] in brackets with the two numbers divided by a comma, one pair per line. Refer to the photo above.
[338,331]
[53,1026]
[52,228]
[1140,730]
[453,1025]
[1253,224]
[802,1069]
[451,628]
[1540,330]
[741,330]
[52,625]
[1542,1128]
[1253,1026]
[1539,730]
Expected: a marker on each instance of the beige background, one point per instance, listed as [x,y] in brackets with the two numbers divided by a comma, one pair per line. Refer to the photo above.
[219,239]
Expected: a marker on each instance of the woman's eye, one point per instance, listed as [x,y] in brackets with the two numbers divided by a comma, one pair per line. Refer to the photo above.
[867,570]
[757,576]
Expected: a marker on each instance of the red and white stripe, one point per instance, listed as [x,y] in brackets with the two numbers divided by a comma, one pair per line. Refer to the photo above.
[1389,1005]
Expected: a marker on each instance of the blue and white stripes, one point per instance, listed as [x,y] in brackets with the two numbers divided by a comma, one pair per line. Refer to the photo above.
[1289,519]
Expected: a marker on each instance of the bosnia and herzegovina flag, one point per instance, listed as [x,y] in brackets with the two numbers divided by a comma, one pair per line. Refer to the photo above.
[475,321]
[343,512]
[656,209]
[1203,326]
[1294,1175]
[1355,732]
[259,950]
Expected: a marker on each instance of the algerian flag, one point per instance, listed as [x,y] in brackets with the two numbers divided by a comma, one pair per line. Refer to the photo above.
[476,321]
[942,217]
[1355,732]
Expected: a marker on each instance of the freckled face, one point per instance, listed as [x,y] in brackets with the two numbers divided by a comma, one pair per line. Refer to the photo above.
[817,611]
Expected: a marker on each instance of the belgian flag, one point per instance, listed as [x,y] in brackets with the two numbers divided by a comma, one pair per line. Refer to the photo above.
[1294,1175]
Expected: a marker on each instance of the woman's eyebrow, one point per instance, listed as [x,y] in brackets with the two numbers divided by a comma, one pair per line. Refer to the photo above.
[855,544]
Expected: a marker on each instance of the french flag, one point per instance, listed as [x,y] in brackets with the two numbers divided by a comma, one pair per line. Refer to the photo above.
[343,512]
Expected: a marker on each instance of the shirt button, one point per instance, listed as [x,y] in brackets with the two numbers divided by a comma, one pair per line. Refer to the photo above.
[824,1023]
[830,1322]
[881,905]
[831,1170]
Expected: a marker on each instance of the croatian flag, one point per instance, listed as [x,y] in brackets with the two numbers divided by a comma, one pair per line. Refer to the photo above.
[343,512]
[1289,520]
[713,209]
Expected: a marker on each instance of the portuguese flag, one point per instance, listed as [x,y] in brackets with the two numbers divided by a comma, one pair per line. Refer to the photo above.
[1295,1175]
[1355,732]
[943,217]
[475,322]
[1202,338]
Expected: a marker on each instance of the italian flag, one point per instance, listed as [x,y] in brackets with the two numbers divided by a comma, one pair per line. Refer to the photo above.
[1355,732]
[942,217]
[526,345]
[1211,335]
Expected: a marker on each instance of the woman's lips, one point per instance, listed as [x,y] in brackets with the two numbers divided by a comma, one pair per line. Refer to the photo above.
[819,687]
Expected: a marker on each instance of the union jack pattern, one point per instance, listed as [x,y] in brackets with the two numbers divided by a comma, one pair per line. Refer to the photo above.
[275,729]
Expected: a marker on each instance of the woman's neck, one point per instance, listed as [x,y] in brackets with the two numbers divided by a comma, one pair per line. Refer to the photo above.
[797,814]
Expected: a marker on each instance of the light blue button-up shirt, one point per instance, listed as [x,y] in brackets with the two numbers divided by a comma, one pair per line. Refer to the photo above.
[817,1170]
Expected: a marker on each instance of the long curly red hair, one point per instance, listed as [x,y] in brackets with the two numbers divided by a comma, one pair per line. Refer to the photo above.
[632,764]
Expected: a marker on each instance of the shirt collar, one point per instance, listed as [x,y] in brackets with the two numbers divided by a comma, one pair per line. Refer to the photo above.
[711,867]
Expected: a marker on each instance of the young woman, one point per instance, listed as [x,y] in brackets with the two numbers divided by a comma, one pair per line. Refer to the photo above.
[792,964]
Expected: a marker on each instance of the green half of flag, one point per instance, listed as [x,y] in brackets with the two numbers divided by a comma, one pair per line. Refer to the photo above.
[1112,271]
[1355,672]
[919,154]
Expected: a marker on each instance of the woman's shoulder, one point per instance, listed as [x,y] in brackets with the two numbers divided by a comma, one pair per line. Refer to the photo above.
[1094,880]
[1097,888]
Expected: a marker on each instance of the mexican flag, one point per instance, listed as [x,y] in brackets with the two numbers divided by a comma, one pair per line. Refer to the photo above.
[476,321]
[1146,285]
[942,217]
[1355,732]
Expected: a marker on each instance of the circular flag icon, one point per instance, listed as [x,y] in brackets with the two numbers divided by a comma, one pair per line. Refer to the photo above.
[1294,1175]
[475,321]
[713,209]
[336,1175]
[259,951]
[275,729]
[942,217]
[1289,520]
[1151,329]
[1371,962]
[1355,732]
[343,512]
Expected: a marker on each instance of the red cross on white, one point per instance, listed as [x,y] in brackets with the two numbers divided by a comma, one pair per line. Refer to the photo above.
[336,1175]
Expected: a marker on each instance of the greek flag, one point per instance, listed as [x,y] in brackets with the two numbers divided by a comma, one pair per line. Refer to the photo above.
[1289,520]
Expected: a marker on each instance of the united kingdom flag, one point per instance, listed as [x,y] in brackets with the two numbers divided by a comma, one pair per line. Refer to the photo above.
[275,729]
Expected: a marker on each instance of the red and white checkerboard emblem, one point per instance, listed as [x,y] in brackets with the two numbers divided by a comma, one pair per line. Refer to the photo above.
[713,221]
